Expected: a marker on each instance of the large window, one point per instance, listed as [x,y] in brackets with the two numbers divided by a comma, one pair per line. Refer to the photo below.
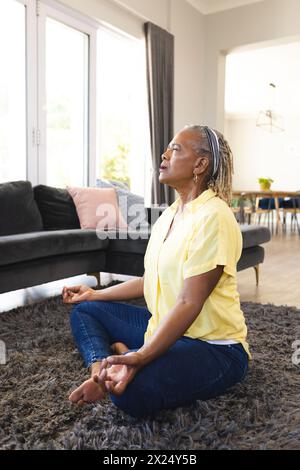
[122,120]
[67,104]
[66,116]
[55,128]
[12,91]
[47,115]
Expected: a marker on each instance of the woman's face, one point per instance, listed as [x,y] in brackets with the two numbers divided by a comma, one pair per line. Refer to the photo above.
[180,159]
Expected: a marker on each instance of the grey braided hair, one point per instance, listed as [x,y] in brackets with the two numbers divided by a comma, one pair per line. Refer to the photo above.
[220,170]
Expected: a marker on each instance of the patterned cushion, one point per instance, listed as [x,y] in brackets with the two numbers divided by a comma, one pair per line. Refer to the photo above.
[131,206]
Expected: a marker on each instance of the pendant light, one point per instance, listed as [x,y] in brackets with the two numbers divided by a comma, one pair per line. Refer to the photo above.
[268,119]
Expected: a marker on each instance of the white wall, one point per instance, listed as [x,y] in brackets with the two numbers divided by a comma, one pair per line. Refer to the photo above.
[107,11]
[188,27]
[157,11]
[180,19]
[267,21]
[258,153]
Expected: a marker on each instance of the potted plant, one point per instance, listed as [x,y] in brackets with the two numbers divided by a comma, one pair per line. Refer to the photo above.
[265,183]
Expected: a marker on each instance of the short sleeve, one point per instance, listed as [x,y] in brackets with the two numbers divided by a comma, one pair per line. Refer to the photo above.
[213,243]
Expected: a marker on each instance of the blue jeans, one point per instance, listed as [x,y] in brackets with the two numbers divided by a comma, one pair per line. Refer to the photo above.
[190,370]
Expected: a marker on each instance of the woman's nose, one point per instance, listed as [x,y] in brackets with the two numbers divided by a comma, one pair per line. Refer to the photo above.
[164,155]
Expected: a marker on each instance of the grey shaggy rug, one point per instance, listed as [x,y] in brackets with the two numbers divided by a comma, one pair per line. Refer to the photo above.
[44,366]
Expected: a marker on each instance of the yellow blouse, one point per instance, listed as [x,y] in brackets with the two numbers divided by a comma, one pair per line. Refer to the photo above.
[205,236]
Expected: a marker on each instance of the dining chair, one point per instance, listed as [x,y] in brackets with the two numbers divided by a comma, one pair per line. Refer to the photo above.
[291,206]
[236,209]
[264,207]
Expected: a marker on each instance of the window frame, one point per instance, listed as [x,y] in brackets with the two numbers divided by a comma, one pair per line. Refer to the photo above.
[50,9]
[31,92]
[147,163]
[30,95]
[36,12]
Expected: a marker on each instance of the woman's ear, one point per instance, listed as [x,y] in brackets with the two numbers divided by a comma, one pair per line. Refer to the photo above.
[201,165]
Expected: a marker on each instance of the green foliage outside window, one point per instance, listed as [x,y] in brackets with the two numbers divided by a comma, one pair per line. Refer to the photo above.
[116,167]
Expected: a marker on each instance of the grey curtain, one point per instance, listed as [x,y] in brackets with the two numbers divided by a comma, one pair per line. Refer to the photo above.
[160,80]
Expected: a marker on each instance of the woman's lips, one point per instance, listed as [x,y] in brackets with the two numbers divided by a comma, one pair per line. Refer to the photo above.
[162,168]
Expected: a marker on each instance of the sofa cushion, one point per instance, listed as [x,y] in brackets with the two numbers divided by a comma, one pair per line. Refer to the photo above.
[136,243]
[33,272]
[97,208]
[133,242]
[19,212]
[56,207]
[251,257]
[29,246]
[119,184]
[131,205]
[254,235]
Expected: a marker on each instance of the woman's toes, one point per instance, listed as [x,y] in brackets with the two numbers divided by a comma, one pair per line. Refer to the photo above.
[76,394]
[89,391]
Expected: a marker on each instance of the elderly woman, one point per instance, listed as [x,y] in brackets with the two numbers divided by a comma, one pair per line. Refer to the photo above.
[190,342]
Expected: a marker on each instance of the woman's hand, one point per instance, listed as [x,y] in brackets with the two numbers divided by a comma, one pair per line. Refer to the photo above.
[118,371]
[76,294]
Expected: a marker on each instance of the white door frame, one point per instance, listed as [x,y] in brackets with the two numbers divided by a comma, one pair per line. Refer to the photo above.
[30,90]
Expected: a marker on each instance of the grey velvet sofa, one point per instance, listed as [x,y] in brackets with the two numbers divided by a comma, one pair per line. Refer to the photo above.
[41,240]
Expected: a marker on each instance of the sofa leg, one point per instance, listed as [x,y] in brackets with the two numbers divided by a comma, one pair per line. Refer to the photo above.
[97,276]
[256,268]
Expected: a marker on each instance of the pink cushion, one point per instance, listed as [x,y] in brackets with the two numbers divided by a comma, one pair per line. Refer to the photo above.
[97,208]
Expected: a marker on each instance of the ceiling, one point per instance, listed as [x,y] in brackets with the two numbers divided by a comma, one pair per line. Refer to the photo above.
[212,6]
[249,73]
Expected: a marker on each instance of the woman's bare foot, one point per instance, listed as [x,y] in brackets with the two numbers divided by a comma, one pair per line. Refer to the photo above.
[119,348]
[89,391]
[94,388]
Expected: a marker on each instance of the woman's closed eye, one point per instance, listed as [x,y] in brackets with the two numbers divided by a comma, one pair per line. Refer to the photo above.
[174,147]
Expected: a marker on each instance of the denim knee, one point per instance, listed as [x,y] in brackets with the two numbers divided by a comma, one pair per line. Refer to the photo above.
[136,400]
[79,308]
[130,405]
[76,311]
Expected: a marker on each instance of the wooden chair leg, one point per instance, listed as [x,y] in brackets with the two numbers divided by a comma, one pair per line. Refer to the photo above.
[297,223]
[256,268]
[97,276]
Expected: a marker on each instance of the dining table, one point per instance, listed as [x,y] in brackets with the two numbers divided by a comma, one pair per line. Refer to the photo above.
[255,195]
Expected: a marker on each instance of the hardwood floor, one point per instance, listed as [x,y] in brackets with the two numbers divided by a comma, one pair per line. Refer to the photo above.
[279,273]
[279,279]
